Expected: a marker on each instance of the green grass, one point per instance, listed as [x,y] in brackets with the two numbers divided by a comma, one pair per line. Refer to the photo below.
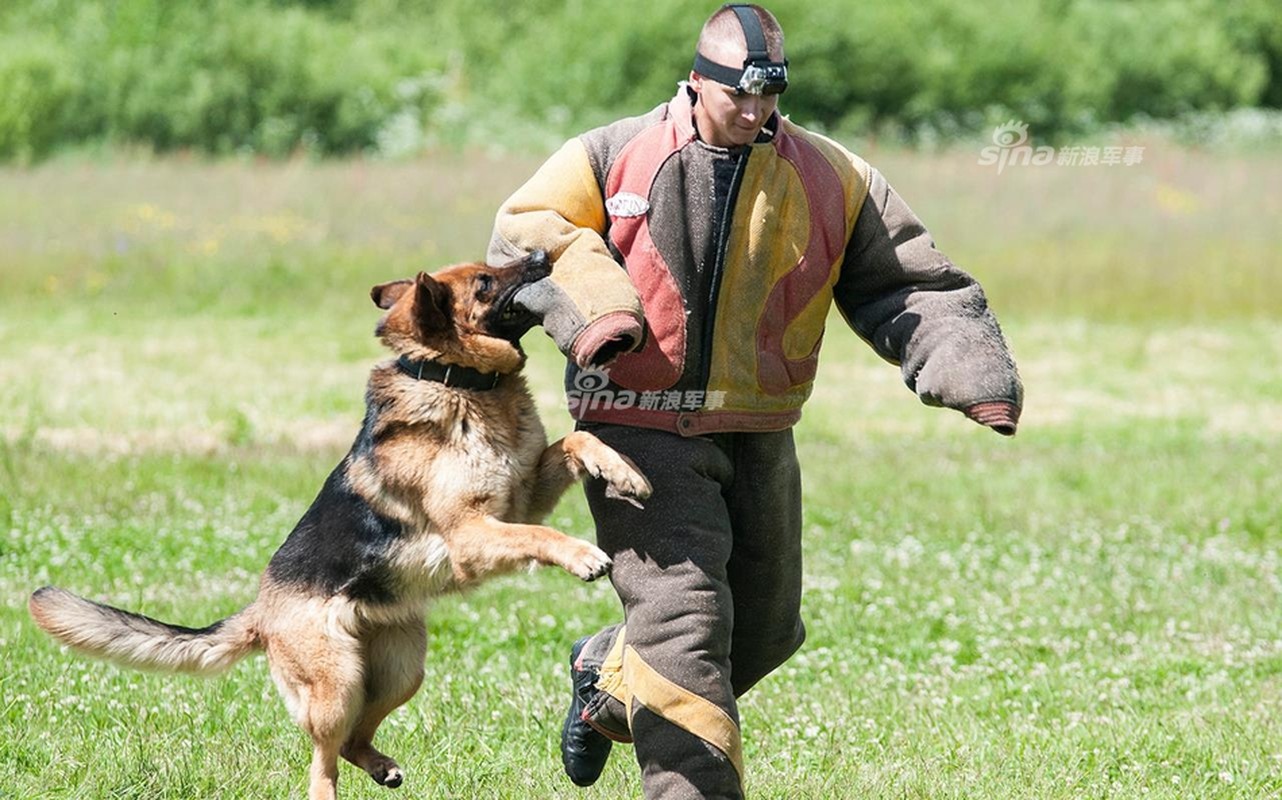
[1087,610]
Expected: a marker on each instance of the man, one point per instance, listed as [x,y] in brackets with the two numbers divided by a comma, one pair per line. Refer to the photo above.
[737,230]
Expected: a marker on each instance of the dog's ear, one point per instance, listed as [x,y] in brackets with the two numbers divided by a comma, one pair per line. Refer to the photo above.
[385,295]
[431,303]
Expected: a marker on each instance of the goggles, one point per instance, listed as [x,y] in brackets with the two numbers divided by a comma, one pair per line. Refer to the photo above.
[759,74]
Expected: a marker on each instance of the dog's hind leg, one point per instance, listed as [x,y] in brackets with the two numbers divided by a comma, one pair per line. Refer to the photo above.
[320,674]
[393,672]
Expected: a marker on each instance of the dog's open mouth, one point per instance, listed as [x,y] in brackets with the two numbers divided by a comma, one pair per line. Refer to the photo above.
[513,320]
[510,319]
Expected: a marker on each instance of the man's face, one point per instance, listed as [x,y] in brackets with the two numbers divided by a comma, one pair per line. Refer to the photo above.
[725,119]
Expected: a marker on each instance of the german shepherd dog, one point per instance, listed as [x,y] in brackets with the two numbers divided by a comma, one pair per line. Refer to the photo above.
[443,487]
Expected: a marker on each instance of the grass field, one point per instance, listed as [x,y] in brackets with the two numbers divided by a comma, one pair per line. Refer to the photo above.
[1088,610]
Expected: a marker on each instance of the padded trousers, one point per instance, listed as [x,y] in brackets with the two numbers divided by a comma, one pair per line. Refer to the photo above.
[709,574]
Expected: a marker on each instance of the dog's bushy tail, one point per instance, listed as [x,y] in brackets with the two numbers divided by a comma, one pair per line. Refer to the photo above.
[137,641]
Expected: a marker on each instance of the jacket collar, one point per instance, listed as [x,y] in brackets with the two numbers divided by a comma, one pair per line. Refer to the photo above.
[451,375]
[681,112]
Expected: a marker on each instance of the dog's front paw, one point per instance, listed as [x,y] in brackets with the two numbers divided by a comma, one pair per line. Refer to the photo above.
[588,455]
[589,563]
[623,480]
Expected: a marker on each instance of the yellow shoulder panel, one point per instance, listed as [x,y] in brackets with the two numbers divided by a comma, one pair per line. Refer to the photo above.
[854,171]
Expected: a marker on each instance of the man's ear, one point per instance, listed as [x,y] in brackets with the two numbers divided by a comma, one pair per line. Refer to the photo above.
[385,295]
[431,303]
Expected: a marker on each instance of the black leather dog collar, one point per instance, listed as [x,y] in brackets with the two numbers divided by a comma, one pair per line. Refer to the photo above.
[449,374]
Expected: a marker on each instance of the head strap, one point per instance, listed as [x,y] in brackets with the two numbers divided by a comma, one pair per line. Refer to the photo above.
[753,36]
[759,74]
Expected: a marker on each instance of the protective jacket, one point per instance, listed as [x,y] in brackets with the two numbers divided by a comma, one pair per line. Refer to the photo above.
[731,260]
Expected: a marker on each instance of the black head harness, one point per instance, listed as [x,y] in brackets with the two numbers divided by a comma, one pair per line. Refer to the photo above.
[758,75]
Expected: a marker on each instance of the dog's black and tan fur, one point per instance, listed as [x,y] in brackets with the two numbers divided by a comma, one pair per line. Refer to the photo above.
[442,488]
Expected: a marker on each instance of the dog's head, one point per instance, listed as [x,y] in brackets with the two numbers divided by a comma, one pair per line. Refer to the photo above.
[463,314]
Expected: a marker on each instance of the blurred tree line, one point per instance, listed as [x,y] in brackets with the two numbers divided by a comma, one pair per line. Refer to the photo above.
[328,77]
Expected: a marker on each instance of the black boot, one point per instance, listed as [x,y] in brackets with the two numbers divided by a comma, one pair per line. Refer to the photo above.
[584,750]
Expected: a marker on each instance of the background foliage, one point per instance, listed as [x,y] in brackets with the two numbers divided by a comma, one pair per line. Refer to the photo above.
[396,76]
